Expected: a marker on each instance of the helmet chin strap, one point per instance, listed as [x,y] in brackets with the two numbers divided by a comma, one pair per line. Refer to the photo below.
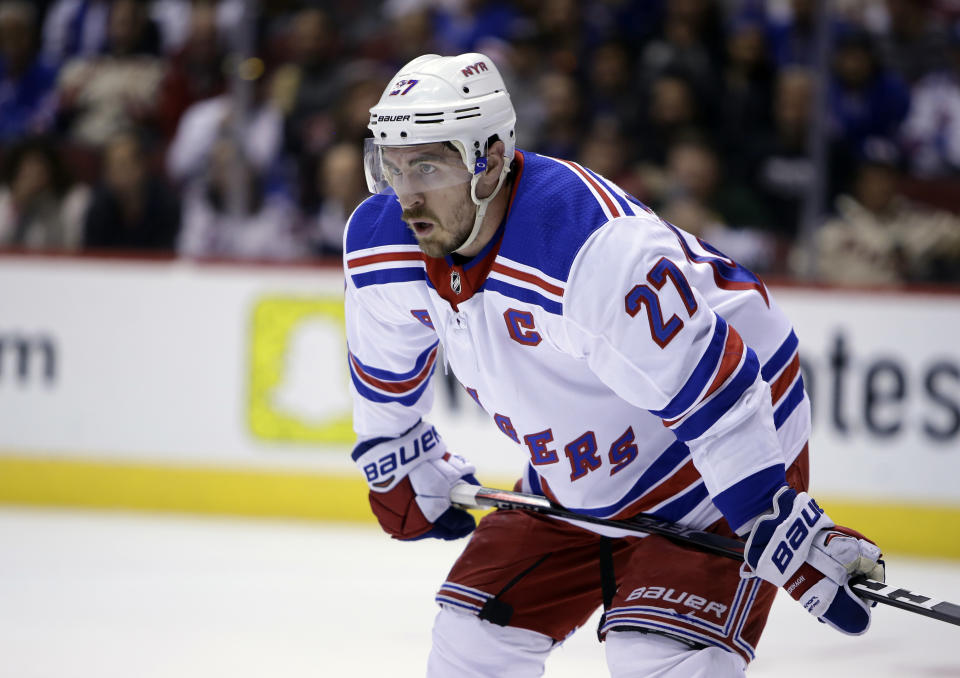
[481,204]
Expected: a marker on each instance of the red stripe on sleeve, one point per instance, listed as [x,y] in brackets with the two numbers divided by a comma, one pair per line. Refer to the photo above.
[780,385]
[528,277]
[395,386]
[729,360]
[732,355]
[386,256]
[611,205]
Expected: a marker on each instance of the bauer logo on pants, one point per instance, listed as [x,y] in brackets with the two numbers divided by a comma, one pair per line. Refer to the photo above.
[680,598]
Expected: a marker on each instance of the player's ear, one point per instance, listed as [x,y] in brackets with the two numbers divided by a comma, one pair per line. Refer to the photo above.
[495,160]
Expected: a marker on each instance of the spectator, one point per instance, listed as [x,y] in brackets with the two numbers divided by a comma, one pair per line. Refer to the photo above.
[609,82]
[792,37]
[308,87]
[700,200]
[748,78]
[466,25]
[522,68]
[672,112]
[931,133]
[308,91]
[211,120]
[617,85]
[564,39]
[27,82]
[362,86]
[342,187]
[881,238]
[559,132]
[104,94]
[132,208]
[75,28]
[691,42]
[606,150]
[39,208]
[914,42]
[196,71]
[262,226]
[865,99]
[174,19]
[777,163]
[408,32]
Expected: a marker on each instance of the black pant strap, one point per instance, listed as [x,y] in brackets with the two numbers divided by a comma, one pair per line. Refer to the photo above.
[497,611]
[608,579]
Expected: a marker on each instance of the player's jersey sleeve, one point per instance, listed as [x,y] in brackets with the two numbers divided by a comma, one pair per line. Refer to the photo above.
[635,313]
[391,354]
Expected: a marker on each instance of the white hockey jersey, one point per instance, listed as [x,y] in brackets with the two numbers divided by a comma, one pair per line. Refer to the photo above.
[634,366]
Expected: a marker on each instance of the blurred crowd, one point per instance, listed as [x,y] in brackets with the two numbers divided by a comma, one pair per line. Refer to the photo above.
[122,126]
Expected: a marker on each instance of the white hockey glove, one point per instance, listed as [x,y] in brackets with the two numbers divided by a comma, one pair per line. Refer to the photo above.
[410,479]
[799,548]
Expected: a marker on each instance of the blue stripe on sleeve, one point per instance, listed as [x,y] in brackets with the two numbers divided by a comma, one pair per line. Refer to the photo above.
[633,201]
[534,480]
[389,275]
[698,380]
[733,272]
[387,375]
[377,397]
[781,357]
[708,414]
[681,506]
[523,294]
[789,404]
[751,496]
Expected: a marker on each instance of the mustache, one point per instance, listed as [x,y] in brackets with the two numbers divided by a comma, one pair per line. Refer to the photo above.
[418,214]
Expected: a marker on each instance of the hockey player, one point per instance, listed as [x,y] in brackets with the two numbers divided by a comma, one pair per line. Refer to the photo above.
[634,367]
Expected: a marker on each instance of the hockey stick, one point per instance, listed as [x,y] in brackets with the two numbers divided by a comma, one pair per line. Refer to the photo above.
[465,495]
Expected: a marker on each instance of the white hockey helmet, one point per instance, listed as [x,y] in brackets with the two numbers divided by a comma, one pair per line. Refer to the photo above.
[459,99]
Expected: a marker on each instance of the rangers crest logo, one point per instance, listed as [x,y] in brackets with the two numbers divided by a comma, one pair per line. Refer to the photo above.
[455,282]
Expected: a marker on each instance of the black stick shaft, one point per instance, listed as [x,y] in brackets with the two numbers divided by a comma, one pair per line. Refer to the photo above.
[472,496]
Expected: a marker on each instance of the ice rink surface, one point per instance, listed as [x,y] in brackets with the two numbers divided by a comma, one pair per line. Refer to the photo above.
[120,595]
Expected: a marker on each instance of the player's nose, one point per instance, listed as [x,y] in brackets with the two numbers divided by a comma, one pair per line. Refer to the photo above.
[409,199]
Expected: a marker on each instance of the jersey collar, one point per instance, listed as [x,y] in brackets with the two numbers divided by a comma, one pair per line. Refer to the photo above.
[456,282]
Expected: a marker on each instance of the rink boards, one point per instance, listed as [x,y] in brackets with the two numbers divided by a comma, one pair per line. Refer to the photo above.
[220,388]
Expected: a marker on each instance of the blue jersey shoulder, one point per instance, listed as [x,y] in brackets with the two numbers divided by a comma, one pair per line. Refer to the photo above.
[554,211]
[375,223]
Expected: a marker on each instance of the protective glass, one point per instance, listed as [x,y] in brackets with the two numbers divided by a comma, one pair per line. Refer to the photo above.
[418,168]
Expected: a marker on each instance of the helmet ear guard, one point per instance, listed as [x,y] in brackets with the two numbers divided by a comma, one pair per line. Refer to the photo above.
[461,100]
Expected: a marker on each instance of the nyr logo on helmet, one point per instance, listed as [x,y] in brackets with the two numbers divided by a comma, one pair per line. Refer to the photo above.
[476,68]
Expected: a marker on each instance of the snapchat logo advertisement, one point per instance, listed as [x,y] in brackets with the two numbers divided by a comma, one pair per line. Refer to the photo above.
[298,390]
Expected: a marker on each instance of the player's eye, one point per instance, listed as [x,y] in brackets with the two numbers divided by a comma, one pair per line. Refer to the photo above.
[426,168]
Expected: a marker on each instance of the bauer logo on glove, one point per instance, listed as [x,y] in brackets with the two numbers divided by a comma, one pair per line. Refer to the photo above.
[828,556]
[407,453]
[410,479]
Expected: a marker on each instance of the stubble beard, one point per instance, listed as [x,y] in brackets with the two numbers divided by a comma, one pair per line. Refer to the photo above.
[448,236]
